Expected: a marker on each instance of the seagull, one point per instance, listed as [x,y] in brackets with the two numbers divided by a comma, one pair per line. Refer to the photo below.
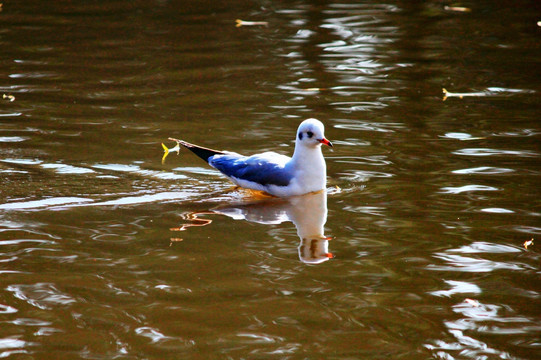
[273,173]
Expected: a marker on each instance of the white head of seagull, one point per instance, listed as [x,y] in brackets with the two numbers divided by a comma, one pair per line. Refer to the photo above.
[276,174]
[311,134]
[307,161]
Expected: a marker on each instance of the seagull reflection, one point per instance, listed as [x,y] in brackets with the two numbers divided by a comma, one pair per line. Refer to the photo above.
[308,212]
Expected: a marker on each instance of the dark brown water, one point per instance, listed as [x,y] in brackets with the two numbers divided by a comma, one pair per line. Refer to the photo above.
[428,207]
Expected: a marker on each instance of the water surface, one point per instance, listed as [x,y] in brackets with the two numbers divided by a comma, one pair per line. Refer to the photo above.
[415,251]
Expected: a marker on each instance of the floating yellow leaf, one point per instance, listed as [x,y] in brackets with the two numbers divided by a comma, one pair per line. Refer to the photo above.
[457,8]
[448,94]
[11,98]
[528,243]
[166,150]
[490,91]
[240,23]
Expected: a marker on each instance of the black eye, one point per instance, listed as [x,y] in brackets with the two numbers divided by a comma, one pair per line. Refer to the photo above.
[300,136]
[310,134]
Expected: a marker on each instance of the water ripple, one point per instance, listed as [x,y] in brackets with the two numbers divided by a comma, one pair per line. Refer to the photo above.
[518,133]
[30,322]
[467,188]
[350,106]
[483,170]
[363,175]
[6,309]
[141,199]
[7,139]
[136,169]
[376,160]
[527,229]
[459,136]
[11,346]
[469,264]
[41,295]
[483,319]
[368,126]
[56,201]
[497,210]
[485,247]
[164,341]
[67,169]
[458,287]
[492,152]
[22,161]
[370,210]
[10,114]
[21,241]
[153,334]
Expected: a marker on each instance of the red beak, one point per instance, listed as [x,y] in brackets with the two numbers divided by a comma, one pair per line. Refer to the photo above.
[325,142]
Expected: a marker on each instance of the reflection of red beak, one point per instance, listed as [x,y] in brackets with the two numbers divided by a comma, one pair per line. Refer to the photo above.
[325,142]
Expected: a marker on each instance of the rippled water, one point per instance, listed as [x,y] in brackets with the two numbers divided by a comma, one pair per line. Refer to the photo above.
[417,250]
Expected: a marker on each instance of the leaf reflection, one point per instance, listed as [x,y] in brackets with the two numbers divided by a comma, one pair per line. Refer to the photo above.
[308,213]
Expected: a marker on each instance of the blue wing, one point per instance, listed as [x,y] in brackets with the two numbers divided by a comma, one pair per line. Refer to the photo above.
[266,169]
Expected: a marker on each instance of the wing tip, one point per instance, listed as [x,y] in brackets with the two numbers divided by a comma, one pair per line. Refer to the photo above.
[203,152]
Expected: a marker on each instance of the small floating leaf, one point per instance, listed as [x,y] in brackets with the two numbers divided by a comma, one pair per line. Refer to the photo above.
[166,150]
[528,243]
[457,8]
[240,23]
[11,98]
[490,91]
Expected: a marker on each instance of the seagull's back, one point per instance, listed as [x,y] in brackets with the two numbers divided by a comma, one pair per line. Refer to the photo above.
[257,171]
